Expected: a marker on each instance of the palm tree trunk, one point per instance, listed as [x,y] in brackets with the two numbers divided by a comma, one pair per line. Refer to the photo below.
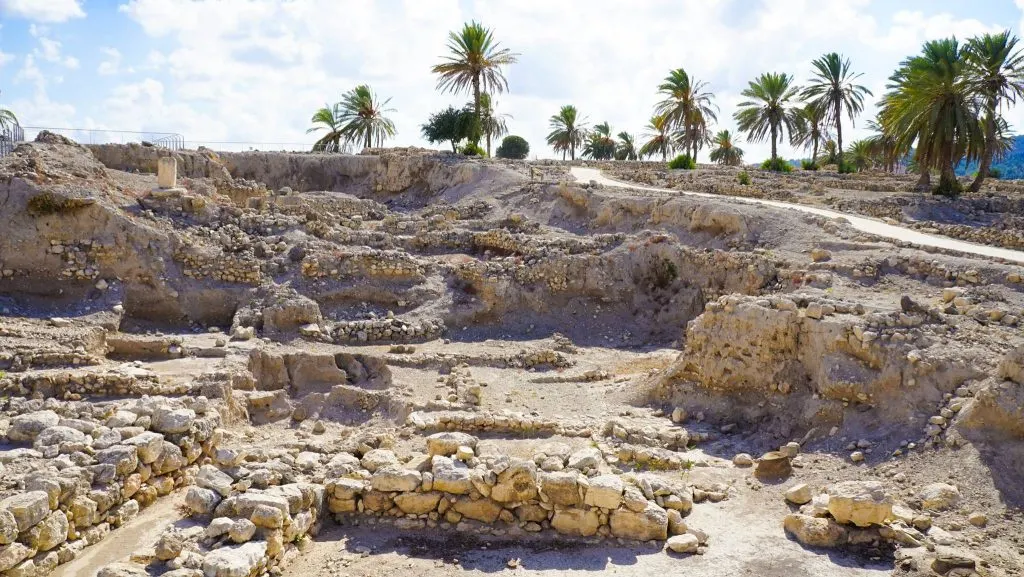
[369,140]
[476,99]
[488,144]
[839,132]
[814,153]
[774,155]
[986,155]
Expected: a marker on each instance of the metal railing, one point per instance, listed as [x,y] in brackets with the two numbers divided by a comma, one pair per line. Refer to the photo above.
[170,140]
[9,138]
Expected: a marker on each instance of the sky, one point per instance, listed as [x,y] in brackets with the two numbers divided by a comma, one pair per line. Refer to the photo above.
[235,74]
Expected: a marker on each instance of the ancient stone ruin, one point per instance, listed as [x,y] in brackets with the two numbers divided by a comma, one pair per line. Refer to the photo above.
[408,362]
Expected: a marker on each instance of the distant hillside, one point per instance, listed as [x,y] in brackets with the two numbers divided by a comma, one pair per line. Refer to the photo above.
[1010,167]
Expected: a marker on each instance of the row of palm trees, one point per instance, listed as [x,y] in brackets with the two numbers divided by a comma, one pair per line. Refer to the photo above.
[473,65]
[942,107]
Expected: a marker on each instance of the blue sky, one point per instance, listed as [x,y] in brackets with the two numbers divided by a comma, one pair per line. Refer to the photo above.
[255,70]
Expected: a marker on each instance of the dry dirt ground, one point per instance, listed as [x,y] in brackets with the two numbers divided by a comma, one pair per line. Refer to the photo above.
[380,290]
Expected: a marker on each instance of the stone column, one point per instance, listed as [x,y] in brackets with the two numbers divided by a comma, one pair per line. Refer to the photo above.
[167,172]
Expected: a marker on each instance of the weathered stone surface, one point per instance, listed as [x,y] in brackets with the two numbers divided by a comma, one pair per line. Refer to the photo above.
[683,544]
[605,491]
[242,531]
[815,531]
[48,533]
[235,560]
[799,494]
[562,488]
[862,503]
[148,444]
[584,459]
[168,546]
[576,522]
[201,501]
[395,479]
[28,508]
[517,483]
[378,458]
[11,555]
[124,458]
[483,510]
[26,427]
[939,496]
[123,570]
[212,478]
[8,527]
[173,421]
[346,488]
[417,503]
[58,436]
[267,517]
[449,477]
[447,443]
[651,523]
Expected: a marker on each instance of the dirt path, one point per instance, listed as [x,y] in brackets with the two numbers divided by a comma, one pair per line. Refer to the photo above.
[143,530]
[863,224]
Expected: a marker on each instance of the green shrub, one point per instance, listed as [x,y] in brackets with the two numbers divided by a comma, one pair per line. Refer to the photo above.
[473,149]
[777,165]
[995,173]
[514,147]
[682,162]
[847,168]
[808,165]
[46,203]
[743,178]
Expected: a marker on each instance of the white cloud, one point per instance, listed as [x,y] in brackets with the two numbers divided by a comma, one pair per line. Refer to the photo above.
[49,49]
[5,58]
[43,10]
[112,63]
[255,71]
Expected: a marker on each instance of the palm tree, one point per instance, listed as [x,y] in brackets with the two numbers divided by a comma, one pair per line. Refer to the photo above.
[600,144]
[568,131]
[626,149]
[931,102]
[688,107]
[492,125]
[769,108]
[726,152]
[474,64]
[997,74]
[7,120]
[810,129]
[328,117]
[885,147]
[832,89]
[362,115]
[658,139]
[861,154]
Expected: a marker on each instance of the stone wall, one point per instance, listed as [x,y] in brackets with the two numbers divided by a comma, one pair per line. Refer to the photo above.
[91,475]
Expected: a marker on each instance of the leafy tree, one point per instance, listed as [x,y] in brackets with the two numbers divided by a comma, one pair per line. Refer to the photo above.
[658,139]
[473,149]
[832,89]
[600,144]
[996,70]
[931,101]
[626,148]
[861,155]
[474,64]
[491,124]
[830,154]
[769,109]
[810,129]
[886,149]
[7,119]
[329,117]
[513,147]
[689,109]
[449,125]
[568,131]
[682,162]
[726,152]
[363,118]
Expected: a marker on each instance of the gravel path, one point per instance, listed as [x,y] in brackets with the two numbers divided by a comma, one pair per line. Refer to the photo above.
[863,224]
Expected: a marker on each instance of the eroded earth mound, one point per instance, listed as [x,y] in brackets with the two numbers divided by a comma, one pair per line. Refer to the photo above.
[407,362]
